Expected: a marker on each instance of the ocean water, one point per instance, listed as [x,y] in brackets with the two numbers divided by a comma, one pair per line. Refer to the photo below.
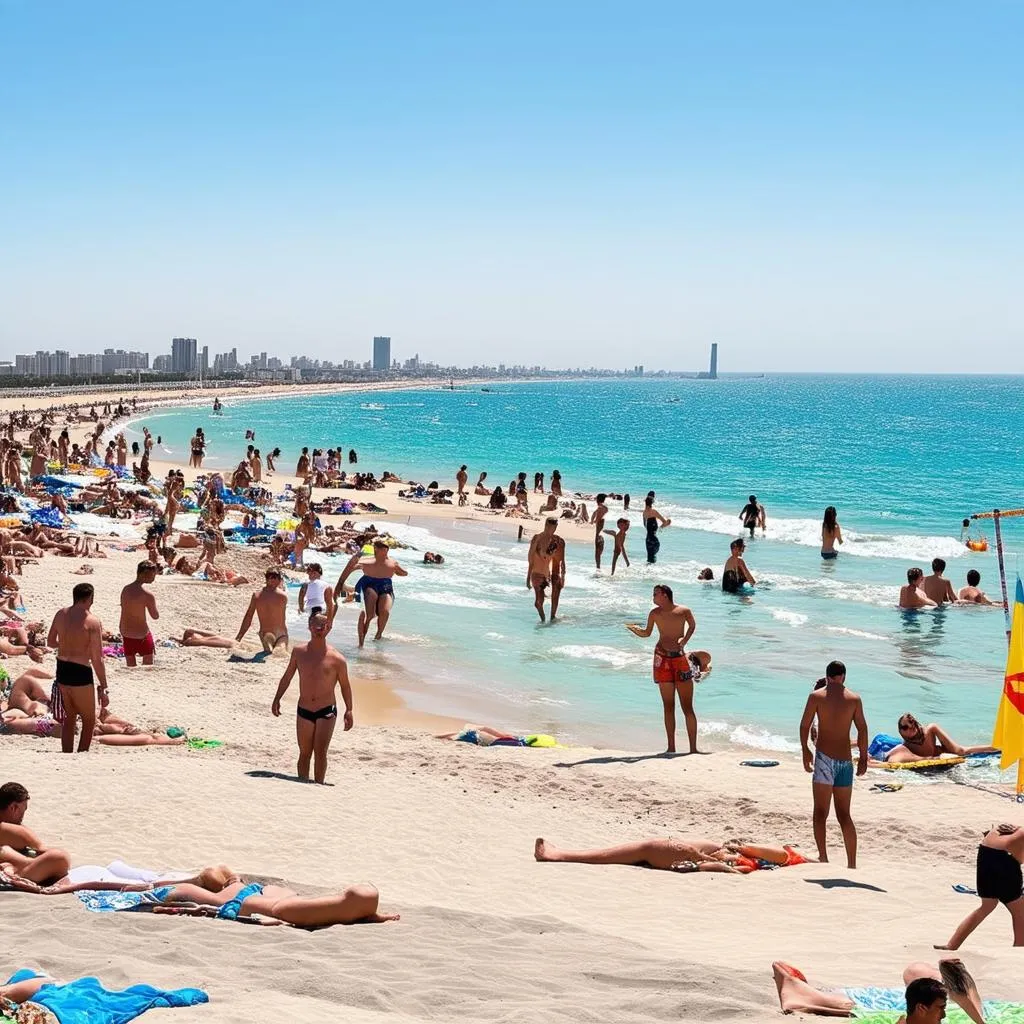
[904,459]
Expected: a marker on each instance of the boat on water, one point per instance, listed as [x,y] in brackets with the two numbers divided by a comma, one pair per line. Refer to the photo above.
[375,406]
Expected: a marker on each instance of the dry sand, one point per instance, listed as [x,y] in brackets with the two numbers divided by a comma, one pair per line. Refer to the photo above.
[446,832]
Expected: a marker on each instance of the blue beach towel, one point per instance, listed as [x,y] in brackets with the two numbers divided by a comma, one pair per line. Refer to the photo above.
[107,900]
[86,1001]
[47,516]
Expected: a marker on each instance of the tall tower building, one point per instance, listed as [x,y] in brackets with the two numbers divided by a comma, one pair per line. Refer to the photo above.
[183,355]
[382,353]
[713,372]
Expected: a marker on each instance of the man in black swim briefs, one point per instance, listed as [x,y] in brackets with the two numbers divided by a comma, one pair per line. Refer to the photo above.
[545,565]
[998,879]
[77,635]
[320,668]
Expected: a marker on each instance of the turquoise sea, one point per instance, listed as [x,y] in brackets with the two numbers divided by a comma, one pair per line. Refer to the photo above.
[904,459]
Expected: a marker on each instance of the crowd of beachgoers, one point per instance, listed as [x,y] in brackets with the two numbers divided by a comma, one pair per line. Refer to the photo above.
[76,489]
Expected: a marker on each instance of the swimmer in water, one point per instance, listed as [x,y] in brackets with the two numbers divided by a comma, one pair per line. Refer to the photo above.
[735,573]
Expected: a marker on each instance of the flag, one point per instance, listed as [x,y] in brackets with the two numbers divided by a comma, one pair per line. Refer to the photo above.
[1009,731]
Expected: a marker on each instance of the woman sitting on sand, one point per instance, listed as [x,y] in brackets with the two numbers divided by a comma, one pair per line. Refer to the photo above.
[684,855]
[480,488]
[223,890]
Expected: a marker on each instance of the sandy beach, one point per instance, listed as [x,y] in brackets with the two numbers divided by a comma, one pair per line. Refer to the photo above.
[446,831]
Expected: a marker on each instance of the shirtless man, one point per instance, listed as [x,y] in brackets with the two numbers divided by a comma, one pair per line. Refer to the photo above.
[837,710]
[20,846]
[320,669]
[375,586]
[971,594]
[735,572]
[672,670]
[753,515]
[136,603]
[597,521]
[936,586]
[927,741]
[912,596]
[460,478]
[545,566]
[77,635]
[270,606]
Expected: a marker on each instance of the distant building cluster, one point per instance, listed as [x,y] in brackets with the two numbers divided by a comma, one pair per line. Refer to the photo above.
[187,360]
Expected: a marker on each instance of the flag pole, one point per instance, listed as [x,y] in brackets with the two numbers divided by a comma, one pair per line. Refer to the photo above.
[1002,573]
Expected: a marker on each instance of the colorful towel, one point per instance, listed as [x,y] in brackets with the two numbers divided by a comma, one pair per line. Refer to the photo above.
[86,1001]
[887,1005]
[107,901]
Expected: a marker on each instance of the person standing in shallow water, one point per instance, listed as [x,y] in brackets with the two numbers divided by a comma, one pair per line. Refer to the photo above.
[673,672]
[545,566]
[831,534]
[652,517]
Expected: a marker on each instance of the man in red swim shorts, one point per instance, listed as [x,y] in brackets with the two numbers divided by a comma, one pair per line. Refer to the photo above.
[672,669]
[136,603]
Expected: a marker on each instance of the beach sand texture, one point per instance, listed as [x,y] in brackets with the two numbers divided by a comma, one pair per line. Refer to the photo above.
[446,831]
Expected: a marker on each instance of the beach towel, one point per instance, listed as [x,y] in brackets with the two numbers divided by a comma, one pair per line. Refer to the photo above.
[108,901]
[47,517]
[887,1005]
[86,1001]
[256,659]
[119,871]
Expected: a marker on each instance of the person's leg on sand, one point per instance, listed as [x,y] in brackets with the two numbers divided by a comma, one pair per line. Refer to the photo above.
[842,795]
[79,702]
[822,793]
[305,734]
[668,707]
[657,853]
[797,996]
[323,730]
[685,692]
[970,922]
[356,903]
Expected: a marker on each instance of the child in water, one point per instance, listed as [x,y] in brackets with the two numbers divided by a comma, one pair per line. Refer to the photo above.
[620,542]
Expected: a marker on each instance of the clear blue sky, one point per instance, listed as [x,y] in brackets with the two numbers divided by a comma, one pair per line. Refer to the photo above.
[813,185]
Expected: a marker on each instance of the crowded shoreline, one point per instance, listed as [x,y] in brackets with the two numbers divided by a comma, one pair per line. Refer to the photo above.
[573,797]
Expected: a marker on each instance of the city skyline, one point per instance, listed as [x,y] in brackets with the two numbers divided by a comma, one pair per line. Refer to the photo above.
[816,188]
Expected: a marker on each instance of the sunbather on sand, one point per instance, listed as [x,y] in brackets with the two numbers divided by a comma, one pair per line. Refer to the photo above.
[223,889]
[203,638]
[684,855]
[927,988]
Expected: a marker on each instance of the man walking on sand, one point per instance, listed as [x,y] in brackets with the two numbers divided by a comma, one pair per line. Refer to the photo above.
[136,603]
[545,566]
[270,606]
[837,711]
[78,637]
[320,669]
[672,670]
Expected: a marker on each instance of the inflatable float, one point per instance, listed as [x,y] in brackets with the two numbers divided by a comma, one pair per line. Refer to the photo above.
[927,764]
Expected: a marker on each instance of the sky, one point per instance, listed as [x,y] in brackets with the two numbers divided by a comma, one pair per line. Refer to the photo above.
[815,186]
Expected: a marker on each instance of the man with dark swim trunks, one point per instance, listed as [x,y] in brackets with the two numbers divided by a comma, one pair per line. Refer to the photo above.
[999,879]
[672,669]
[545,566]
[375,586]
[320,669]
[78,637]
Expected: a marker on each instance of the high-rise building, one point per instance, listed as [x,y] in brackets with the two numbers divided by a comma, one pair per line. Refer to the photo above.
[162,364]
[713,371]
[382,353]
[183,355]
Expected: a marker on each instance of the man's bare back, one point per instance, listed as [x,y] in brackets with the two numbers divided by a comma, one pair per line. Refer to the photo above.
[836,710]
[75,632]
[938,589]
[270,606]
[136,602]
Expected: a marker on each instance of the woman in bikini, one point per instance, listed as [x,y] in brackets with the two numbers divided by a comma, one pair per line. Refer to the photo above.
[831,534]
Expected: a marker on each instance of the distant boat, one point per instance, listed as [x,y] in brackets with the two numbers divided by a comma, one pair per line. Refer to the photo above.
[488,390]
[673,399]
[376,406]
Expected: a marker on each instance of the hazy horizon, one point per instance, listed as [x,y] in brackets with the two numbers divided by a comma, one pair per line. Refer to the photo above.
[816,189]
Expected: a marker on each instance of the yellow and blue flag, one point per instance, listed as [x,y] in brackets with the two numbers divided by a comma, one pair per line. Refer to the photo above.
[1009,731]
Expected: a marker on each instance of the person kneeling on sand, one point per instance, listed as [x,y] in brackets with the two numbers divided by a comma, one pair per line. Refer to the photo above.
[926,994]
[222,890]
[683,855]
[927,741]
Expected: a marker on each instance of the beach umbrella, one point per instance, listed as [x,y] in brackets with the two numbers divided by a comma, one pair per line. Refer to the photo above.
[1009,731]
